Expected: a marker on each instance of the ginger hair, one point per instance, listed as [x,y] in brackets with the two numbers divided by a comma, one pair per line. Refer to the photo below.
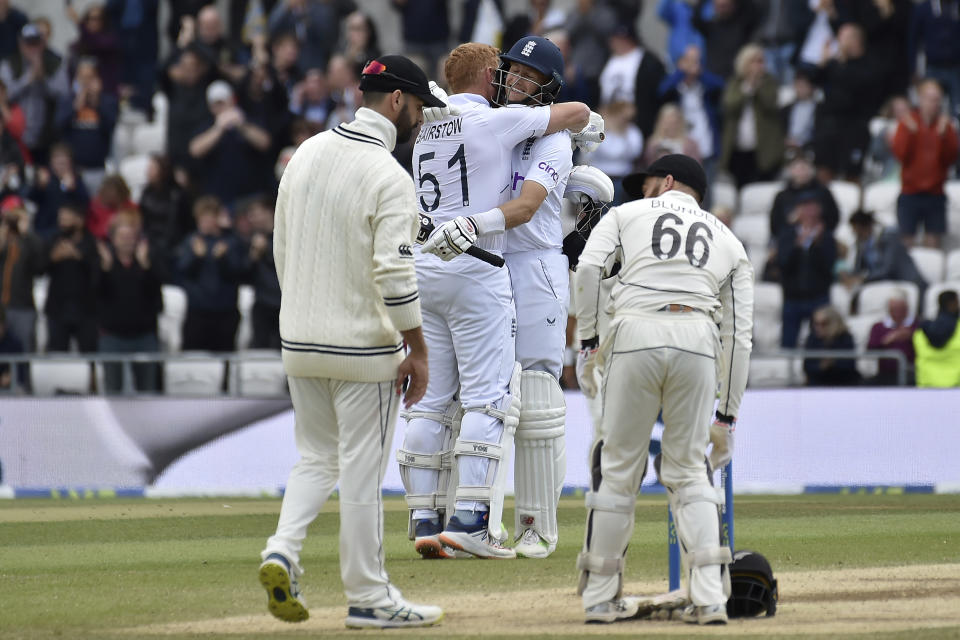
[466,64]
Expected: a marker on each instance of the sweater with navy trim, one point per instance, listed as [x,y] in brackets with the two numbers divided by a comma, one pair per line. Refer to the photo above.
[346,217]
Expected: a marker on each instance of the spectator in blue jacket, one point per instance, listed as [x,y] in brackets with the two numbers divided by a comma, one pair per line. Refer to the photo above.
[209,269]
[698,93]
[678,16]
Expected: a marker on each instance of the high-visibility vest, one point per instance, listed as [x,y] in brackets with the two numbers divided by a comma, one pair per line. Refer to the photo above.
[937,367]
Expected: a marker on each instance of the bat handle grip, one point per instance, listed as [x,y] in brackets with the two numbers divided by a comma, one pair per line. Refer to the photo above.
[486,256]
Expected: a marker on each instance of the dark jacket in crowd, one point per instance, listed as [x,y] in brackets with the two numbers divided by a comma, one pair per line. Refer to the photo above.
[650,74]
[827,372]
[89,132]
[940,329]
[806,273]
[786,200]
[885,257]
[130,298]
[210,283]
[935,30]
[262,274]
[49,199]
[72,294]
[725,36]
[22,259]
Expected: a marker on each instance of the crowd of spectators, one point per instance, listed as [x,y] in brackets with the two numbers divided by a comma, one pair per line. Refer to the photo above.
[757,90]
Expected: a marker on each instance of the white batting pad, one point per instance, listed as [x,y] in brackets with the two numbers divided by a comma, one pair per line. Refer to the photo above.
[540,464]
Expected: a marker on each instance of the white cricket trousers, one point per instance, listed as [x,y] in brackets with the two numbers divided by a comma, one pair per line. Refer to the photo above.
[541,290]
[656,360]
[469,324]
[343,432]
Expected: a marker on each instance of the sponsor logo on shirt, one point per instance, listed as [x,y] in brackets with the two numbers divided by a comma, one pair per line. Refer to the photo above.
[550,171]
[405,251]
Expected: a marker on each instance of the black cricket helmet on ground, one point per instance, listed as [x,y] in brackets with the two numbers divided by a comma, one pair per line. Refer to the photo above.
[754,589]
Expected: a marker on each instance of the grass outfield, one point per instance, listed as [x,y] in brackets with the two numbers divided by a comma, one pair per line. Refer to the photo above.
[134,568]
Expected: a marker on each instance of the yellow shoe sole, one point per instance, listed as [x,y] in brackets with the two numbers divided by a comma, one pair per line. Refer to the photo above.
[281,603]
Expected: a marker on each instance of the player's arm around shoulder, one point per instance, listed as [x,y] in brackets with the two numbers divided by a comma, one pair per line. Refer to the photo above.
[394,226]
[573,116]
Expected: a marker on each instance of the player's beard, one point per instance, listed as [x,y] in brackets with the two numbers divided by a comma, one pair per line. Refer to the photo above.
[406,123]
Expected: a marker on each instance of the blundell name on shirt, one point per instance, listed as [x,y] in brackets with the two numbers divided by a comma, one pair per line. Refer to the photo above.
[441,130]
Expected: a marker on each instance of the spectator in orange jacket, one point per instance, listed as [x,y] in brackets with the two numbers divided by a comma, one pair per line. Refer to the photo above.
[926,145]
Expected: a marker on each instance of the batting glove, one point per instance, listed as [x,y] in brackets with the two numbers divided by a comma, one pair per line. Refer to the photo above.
[452,238]
[721,435]
[432,114]
[590,137]
[586,367]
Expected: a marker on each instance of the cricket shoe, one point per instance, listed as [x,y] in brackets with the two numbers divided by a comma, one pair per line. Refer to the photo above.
[283,592]
[709,614]
[395,616]
[472,536]
[612,611]
[427,540]
[533,545]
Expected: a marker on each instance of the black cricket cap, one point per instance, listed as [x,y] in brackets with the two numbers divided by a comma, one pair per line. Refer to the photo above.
[683,169]
[391,72]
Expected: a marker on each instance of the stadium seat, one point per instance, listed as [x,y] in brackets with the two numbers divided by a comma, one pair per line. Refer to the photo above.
[930,262]
[767,315]
[133,169]
[261,377]
[245,299]
[170,320]
[952,189]
[150,137]
[847,195]
[193,375]
[933,292]
[770,373]
[56,377]
[860,327]
[40,286]
[723,194]
[840,297]
[953,265]
[881,198]
[873,296]
[757,198]
[753,230]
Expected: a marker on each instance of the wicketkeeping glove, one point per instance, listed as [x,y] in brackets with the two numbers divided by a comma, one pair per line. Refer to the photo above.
[721,435]
[590,137]
[432,114]
[452,238]
[586,367]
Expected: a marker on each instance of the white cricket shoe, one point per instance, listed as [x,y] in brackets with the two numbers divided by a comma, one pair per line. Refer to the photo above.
[709,614]
[396,616]
[474,539]
[283,593]
[612,611]
[533,545]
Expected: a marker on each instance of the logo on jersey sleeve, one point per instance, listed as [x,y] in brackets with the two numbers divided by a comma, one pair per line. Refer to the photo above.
[550,171]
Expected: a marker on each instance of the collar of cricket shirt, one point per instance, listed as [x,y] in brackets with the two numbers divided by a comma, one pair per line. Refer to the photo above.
[680,195]
[370,123]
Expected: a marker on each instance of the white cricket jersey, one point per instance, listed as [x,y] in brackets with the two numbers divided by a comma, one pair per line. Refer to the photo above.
[461,165]
[548,162]
[671,251]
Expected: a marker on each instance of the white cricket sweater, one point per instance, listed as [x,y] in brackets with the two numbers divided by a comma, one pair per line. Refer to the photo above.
[345,221]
